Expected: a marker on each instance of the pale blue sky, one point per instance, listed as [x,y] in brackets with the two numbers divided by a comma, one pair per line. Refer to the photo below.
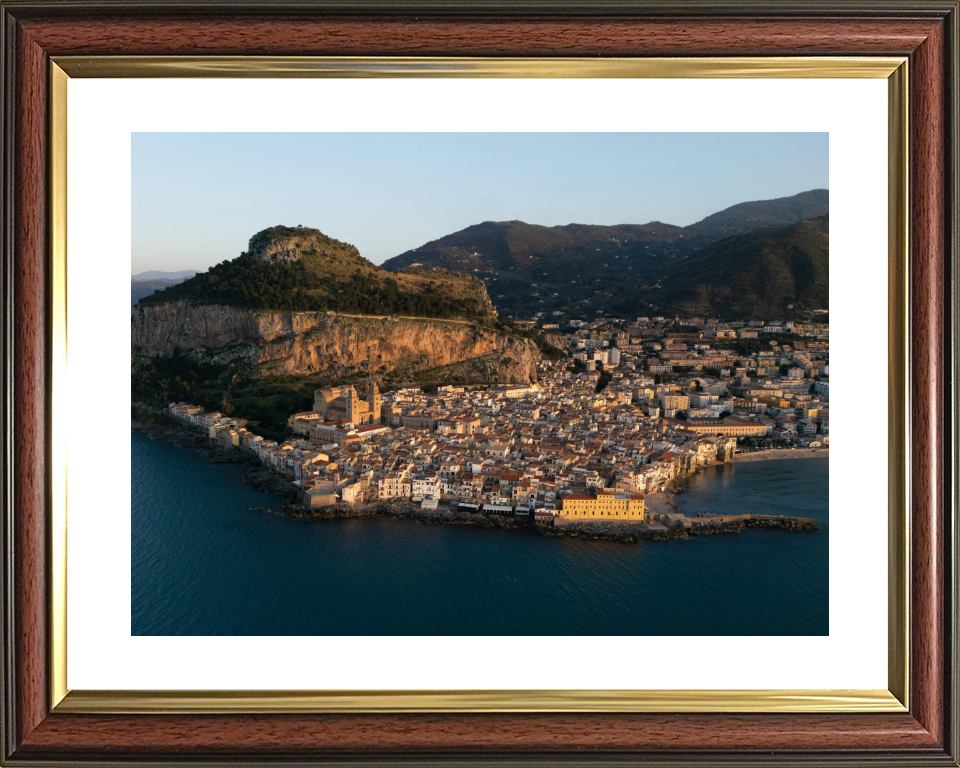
[199,197]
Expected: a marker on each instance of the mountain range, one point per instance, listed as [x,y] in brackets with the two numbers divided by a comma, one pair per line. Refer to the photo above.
[760,259]
[598,269]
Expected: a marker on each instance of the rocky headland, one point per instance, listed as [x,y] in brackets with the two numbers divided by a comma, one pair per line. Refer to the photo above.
[309,343]
[299,303]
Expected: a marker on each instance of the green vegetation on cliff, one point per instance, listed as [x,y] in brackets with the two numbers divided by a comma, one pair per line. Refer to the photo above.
[251,283]
[297,269]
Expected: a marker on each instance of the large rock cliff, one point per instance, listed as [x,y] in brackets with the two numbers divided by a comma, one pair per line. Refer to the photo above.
[309,343]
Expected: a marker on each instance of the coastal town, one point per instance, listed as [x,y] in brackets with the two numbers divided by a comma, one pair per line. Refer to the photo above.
[604,434]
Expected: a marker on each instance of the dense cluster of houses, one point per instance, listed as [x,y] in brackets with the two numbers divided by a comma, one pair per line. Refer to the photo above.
[766,380]
[527,447]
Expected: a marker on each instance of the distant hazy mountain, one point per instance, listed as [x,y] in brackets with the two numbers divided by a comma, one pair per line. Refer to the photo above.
[777,272]
[526,265]
[154,274]
[141,287]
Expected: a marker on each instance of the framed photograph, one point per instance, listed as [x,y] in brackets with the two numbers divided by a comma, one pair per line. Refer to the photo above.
[478,363]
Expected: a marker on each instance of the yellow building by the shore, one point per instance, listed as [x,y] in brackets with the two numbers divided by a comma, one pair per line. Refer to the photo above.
[603,504]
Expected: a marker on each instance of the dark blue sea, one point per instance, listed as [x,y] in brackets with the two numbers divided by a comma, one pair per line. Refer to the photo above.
[206,563]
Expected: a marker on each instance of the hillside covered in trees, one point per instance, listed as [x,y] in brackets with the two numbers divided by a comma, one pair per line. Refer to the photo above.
[766,273]
[302,270]
[528,267]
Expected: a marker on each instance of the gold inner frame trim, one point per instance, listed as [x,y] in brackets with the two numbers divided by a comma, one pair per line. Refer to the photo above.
[185,702]
[436,67]
[893,69]
[58,370]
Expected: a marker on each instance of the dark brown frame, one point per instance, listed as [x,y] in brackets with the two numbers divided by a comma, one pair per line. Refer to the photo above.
[926,32]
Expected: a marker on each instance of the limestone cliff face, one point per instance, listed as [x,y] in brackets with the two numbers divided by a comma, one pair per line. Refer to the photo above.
[290,244]
[303,343]
[555,339]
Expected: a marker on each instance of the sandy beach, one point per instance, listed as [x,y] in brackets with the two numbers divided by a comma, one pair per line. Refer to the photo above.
[659,503]
[663,502]
[782,453]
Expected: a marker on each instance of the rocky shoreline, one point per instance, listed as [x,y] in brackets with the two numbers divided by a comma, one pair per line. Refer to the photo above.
[255,473]
[395,508]
[625,532]
[260,477]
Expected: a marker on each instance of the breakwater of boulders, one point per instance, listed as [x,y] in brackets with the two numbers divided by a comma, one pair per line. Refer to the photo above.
[785,524]
[701,528]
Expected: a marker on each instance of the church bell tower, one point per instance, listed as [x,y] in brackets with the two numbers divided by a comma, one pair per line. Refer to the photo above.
[373,402]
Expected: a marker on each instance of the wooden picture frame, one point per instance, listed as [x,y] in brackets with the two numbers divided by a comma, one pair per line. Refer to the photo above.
[40,726]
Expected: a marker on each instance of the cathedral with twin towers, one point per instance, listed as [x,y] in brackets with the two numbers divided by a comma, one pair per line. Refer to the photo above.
[344,404]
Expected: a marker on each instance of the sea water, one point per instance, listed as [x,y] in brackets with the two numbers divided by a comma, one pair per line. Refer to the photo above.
[206,562]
